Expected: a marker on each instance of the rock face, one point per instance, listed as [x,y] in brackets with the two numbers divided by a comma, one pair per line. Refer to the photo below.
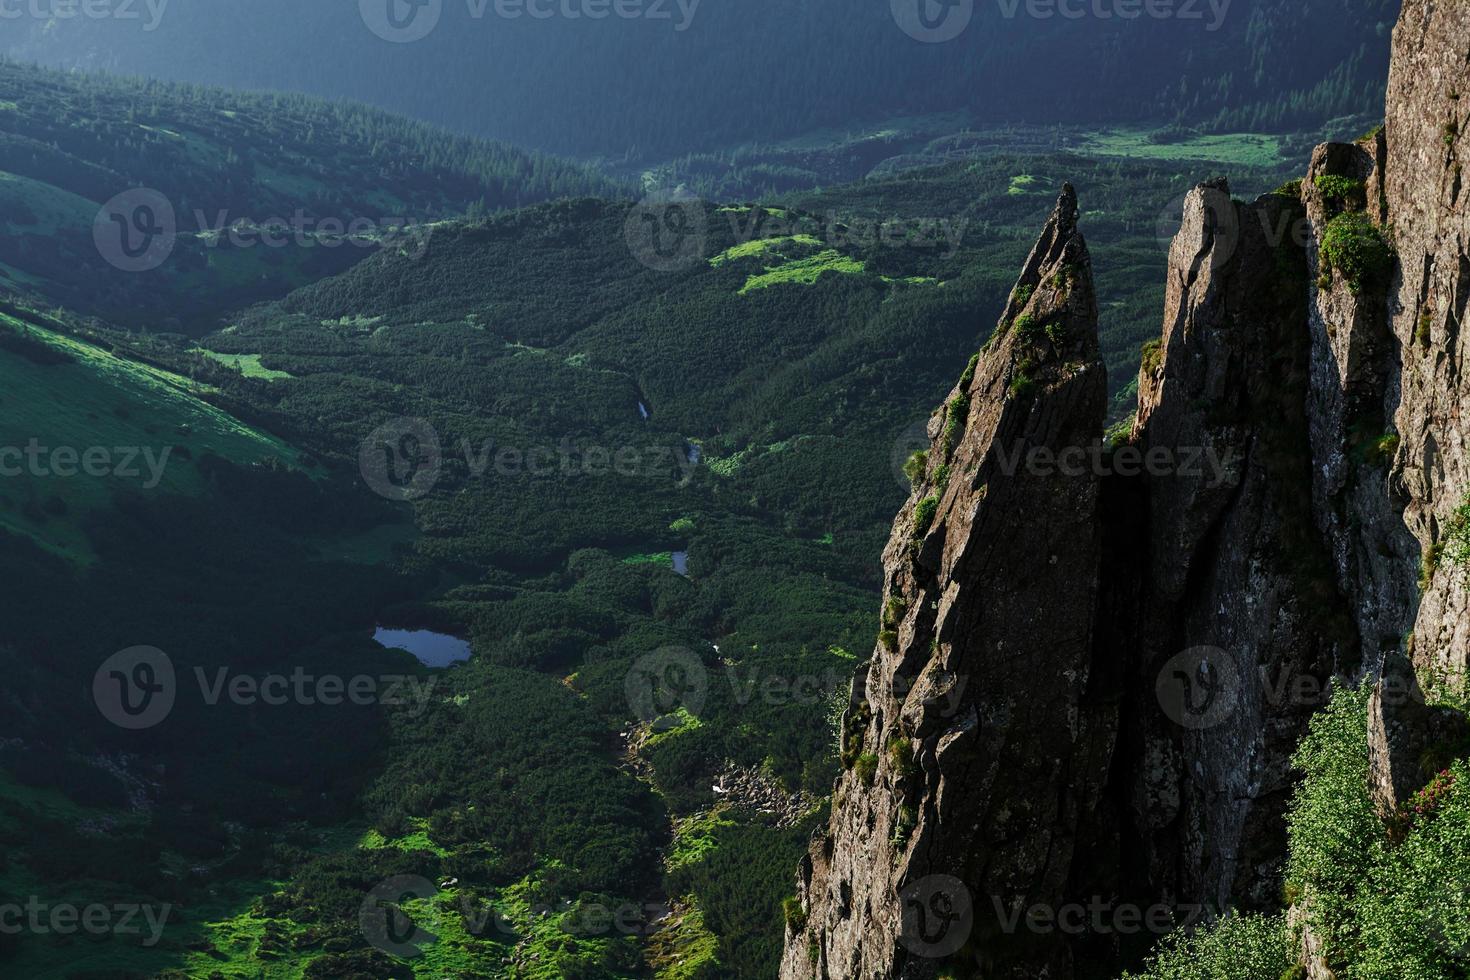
[1093,670]
[973,748]
[1238,605]
[1426,130]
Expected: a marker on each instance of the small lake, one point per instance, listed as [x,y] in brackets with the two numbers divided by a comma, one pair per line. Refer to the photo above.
[681,563]
[431,649]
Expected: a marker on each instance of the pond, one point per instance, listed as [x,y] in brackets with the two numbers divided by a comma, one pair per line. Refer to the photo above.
[432,649]
[681,563]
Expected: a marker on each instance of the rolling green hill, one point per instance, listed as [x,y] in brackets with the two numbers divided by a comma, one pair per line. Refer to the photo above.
[71,143]
[91,423]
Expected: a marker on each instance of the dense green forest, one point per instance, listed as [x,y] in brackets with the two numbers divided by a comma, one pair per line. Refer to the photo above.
[337,179]
[683,77]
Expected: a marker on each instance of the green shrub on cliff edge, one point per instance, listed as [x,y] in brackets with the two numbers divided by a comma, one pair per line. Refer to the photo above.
[1389,899]
[1238,947]
[1333,833]
[1342,192]
[1354,247]
[1457,537]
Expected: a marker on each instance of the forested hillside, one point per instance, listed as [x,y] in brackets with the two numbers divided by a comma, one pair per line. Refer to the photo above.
[691,77]
[203,160]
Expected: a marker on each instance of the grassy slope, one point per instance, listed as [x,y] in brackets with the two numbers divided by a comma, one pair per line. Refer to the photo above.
[101,400]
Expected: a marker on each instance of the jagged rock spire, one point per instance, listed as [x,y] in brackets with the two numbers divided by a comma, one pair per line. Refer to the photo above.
[971,750]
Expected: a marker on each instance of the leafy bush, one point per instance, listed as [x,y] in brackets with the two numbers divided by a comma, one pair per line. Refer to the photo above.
[1457,537]
[1414,911]
[866,767]
[968,377]
[1024,382]
[917,466]
[1353,246]
[1153,356]
[1342,192]
[924,515]
[1384,449]
[794,913]
[1238,947]
[957,413]
[1335,836]
[901,757]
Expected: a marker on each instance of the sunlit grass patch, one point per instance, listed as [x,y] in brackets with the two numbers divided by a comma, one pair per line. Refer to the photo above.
[1245,149]
[248,365]
[1022,184]
[805,271]
[760,247]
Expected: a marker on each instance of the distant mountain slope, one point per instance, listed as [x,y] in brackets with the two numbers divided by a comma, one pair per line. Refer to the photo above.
[199,159]
[689,76]
[149,425]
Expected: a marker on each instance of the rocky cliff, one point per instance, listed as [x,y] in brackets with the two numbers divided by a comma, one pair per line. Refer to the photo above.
[973,749]
[1093,664]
